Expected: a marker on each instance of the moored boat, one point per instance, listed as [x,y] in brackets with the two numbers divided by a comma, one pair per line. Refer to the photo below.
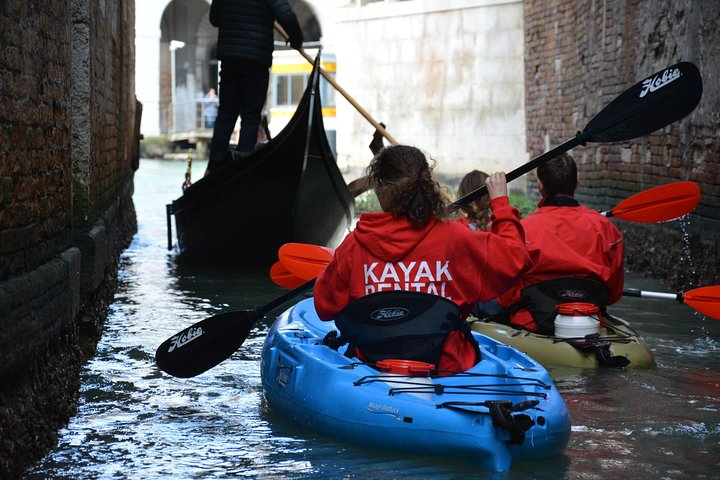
[615,339]
[289,190]
[504,408]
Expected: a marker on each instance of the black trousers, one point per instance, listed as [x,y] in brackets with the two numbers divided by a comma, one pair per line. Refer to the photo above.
[243,88]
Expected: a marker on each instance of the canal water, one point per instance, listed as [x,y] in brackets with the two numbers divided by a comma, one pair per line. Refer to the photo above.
[134,421]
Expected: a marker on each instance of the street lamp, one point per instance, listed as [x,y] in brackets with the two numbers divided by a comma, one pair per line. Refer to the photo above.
[174,45]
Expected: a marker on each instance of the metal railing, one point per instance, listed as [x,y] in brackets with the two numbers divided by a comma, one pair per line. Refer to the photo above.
[192,120]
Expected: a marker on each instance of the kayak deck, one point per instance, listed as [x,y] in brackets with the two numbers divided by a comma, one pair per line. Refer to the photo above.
[550,351]
[455,415]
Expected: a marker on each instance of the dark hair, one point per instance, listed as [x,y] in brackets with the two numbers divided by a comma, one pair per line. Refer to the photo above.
[559,176]
[477,212]
[402,176]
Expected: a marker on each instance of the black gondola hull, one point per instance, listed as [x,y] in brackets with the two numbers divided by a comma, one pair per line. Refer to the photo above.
[289,190]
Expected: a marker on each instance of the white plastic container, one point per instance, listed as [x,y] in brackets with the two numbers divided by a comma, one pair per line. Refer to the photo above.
[576,320]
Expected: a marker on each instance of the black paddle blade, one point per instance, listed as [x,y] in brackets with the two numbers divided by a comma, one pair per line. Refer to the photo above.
[653,103]
[205,344]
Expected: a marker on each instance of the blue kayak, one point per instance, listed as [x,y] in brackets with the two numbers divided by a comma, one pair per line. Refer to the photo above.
[506,407]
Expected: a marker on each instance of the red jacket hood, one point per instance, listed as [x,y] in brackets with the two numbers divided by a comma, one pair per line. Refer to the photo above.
[389,238]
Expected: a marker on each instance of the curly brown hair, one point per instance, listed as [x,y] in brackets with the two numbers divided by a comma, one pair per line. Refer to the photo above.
[477,212]
[402,179]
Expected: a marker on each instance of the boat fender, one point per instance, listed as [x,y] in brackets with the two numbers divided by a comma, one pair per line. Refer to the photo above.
[517,425]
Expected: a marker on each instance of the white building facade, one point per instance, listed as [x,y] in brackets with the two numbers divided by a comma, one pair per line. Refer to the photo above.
[444,75]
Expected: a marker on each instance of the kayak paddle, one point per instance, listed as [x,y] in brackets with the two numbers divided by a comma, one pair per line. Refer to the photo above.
[208,342]
[300,262]
[659,100]
[705,300]
[304,260]
[659,204]
[283,277]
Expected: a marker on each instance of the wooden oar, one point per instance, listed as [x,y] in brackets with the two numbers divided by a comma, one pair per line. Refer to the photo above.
[341,90]
[659,204]
[636,112]
[705,300]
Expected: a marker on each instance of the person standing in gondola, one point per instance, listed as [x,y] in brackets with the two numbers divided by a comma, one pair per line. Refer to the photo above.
[245,47]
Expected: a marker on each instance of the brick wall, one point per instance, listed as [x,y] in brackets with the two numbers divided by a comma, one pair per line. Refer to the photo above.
[68,151]
[579,56]
[35,174]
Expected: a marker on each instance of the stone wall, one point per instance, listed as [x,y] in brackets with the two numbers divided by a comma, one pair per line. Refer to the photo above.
[67,158]
[579,56]
[443,75]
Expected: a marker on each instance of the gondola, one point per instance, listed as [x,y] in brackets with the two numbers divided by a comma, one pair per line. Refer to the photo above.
[289,190]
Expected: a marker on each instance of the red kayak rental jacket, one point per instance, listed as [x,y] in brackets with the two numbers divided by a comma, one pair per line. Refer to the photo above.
[443,258]
[569,240]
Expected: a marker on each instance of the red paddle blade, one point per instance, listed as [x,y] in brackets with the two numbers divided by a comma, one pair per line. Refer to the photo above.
[705,300]
[659,204]
[304,260]
[281,276]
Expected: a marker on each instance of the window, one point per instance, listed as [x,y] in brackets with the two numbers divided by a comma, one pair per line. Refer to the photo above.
[288,89]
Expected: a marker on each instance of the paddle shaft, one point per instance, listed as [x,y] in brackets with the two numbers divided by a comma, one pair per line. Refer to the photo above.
[341,90]
[283,299]
[635,292]
[518,172]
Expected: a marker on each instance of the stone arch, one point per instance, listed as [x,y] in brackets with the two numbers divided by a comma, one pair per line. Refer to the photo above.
[196,66]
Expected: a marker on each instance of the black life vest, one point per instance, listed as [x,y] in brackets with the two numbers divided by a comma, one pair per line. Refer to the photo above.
[401,325]
[541,299]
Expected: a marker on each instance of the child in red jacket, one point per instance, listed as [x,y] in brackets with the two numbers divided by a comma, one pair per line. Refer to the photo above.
[476,215]
[412,246]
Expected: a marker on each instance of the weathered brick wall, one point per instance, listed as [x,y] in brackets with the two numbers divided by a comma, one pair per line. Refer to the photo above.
[581,55]
[68,151]
[35,173]
[113,100]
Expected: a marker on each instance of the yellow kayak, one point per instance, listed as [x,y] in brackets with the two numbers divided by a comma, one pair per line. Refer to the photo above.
[615,342]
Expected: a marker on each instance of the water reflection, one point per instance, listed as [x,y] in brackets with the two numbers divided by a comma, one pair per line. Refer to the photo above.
[135,422]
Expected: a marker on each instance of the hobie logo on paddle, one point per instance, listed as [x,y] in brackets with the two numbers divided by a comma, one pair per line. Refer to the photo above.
[390,313]
[659,81]
[185,337]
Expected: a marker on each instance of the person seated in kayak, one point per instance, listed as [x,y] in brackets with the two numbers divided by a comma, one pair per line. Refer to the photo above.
[567,240]
[412,245]
[476,215]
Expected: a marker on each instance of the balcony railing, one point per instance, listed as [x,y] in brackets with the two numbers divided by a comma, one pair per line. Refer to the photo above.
[190,120]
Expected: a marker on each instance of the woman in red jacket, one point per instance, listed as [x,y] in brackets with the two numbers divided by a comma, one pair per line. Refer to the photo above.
[412,246]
